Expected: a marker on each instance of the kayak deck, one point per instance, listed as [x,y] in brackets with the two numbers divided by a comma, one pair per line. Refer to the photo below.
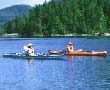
[81,53]
[18,55]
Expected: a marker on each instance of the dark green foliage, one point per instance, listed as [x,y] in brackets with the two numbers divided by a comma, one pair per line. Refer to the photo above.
[1,29]
[64,17]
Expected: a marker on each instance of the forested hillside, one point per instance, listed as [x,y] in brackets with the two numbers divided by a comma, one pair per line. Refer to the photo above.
[65,17]
[12,12]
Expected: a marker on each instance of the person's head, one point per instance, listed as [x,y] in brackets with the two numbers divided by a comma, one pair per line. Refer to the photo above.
[30,45]
[70,43]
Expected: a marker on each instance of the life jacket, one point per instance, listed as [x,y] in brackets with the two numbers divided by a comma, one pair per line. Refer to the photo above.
[30,50]
[70,48]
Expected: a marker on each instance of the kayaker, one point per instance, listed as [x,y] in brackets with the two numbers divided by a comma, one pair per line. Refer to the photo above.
[70,47]
[29,50]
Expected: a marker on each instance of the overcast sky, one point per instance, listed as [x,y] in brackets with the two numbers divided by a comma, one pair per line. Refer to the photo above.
[7,3]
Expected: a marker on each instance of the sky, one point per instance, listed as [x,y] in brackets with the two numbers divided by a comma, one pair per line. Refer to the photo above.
[8,3]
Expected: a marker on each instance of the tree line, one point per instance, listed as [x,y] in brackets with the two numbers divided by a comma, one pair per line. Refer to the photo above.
[65,17]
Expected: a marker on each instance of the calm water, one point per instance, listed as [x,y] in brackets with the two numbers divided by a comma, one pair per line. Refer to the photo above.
[79,73]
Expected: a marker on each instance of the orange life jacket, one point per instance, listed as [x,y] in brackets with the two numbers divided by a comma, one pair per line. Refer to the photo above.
[70,48]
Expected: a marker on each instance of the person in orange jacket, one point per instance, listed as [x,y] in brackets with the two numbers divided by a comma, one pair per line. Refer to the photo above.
[70,47]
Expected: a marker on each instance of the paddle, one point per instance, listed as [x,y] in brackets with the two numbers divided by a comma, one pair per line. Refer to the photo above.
[25,48]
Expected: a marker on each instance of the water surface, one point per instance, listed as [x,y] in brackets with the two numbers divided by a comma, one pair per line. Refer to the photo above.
[77,73]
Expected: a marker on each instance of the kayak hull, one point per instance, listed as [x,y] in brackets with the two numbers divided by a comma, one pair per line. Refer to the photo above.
[23,56]
[81,53]
[84,53]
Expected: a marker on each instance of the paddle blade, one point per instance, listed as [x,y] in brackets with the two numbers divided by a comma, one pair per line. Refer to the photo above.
[25,48]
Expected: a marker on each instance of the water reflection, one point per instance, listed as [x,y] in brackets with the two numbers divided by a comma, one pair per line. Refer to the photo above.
[71,57]
[31,61]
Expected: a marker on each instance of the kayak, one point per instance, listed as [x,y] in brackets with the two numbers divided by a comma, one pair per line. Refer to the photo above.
[87,53]
[80,53]
[35,56]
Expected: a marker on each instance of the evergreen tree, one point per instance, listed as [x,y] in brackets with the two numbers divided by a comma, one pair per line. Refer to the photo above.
[65,17]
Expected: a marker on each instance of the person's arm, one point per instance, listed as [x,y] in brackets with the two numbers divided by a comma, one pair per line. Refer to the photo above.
[70,49]
[29,51]
[33,50]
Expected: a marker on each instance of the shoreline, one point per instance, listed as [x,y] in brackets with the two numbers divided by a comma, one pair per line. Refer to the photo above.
[17,36]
